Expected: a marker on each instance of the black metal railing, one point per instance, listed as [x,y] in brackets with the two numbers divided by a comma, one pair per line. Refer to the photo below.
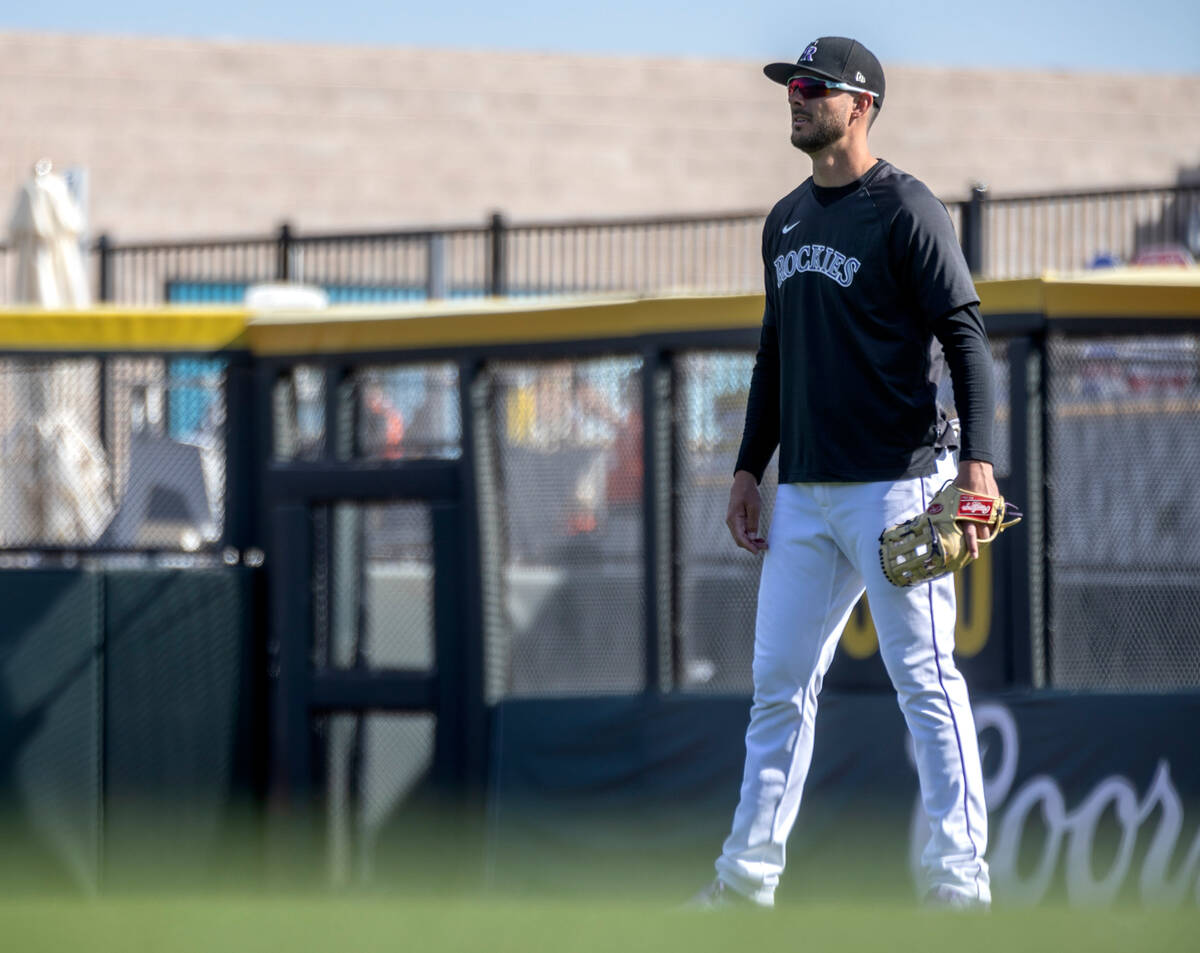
[1002,237]
[714,254]
[1025,235]
[704,253]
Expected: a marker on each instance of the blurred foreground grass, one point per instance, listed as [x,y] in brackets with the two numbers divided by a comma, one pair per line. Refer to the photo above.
[435,882]
[306,923]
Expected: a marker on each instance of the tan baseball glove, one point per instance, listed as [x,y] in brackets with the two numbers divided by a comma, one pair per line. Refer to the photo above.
[932,543]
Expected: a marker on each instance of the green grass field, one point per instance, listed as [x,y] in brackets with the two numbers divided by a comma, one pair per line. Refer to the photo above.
[320,922]
[439,886]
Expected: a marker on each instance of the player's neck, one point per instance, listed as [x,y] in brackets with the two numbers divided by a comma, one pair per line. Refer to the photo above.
[842,163]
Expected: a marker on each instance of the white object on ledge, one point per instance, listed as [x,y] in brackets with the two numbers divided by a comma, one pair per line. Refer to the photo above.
[285,296]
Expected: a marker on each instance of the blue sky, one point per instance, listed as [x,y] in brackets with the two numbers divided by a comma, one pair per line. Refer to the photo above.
[1101,35]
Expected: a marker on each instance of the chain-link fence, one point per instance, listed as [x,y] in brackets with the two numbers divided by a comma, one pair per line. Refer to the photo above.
[717,583]
[1125,556]
[112,453]
[407,412]
[373,586]
[127,453]
[569,541]
[385,413]
[372,766]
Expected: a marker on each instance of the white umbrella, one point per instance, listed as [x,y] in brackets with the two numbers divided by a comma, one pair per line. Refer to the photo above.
[54,477]
[45,229]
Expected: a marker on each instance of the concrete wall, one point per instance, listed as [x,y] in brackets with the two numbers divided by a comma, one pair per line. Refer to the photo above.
[197,137]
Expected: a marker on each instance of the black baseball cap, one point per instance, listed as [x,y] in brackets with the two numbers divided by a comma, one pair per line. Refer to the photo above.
[837,58]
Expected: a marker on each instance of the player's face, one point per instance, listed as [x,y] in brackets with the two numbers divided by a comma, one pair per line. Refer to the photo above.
[819,123]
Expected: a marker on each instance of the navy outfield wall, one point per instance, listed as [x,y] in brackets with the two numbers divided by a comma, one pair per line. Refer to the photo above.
[1092,799]
[131,720]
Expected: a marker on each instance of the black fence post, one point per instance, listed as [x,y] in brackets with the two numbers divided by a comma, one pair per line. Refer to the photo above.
[657,518]
[972,228]
[472,686]
[242,454]
[289,575]
[435,275]
[104,268]
[496,235]
[283,265]
[1044,673]
[1022,654]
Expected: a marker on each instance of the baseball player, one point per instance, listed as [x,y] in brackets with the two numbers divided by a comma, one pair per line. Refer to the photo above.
[864,279]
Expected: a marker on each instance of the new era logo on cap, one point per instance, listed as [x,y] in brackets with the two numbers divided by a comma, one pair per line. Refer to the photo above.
[836,58]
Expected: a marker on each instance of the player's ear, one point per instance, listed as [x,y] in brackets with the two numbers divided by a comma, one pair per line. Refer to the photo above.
[863,111]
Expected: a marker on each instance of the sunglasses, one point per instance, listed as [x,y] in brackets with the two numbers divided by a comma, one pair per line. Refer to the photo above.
[811,88]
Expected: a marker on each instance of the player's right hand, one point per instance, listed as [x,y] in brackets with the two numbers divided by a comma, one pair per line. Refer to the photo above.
[745,507]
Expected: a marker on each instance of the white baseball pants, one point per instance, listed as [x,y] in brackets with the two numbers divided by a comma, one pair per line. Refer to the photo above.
[823,551]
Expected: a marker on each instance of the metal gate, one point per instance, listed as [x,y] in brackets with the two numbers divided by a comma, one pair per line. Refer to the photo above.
[374,646]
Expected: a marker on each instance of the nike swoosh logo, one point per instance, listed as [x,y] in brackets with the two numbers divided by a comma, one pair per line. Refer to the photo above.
[788,228]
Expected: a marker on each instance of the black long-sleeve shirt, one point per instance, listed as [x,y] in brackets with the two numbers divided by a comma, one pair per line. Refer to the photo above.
[861,281]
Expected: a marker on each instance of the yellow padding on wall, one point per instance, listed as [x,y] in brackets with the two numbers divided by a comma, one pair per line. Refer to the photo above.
[1108,293]
[1126,293]
[495,323]
[1019,296]
[115,329]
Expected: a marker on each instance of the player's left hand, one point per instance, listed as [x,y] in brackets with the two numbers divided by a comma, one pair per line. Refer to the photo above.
[975,476]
